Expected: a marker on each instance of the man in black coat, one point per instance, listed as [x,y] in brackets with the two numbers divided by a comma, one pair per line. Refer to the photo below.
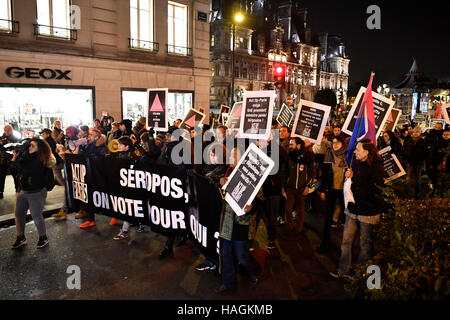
[415,151]
[6,138]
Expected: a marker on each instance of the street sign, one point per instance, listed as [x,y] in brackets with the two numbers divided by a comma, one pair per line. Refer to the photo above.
[289,100]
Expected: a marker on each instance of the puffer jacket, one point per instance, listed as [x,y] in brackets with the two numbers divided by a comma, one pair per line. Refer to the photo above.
[31,173]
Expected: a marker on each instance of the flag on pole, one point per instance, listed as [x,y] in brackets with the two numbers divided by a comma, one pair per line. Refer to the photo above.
[365,123]
[438,113]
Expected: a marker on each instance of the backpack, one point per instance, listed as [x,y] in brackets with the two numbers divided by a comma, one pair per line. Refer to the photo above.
[49,179]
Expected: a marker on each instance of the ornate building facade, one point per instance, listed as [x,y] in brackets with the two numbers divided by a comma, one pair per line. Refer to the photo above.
[274,33]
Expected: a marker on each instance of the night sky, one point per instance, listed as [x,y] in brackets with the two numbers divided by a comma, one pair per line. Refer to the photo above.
[408,29]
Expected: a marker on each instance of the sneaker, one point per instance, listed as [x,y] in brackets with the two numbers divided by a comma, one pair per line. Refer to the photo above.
[113,221]
[20,241]
[43,241]
[271,245]
[87,224]
[122,235]
[280,221]
[60,215]
[205,267]
[80,214]
[166,252]
[141,228]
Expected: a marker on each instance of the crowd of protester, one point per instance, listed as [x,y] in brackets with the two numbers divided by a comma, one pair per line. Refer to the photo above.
[304,170]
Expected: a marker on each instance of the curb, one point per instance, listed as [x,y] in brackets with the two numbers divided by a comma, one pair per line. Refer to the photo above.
[10,220]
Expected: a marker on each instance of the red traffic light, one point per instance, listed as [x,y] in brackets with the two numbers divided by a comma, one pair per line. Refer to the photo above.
[279,70]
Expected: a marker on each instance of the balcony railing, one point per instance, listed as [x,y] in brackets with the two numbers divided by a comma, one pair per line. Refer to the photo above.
[9,26]
[143,44]
[55,32]
[182,51]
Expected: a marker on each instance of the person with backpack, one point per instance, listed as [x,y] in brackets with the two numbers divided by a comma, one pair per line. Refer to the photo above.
[34,176]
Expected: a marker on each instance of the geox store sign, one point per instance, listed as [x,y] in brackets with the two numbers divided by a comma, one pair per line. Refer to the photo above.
[36,73]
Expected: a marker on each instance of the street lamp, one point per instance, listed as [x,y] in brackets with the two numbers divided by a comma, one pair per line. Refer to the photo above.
[237,18]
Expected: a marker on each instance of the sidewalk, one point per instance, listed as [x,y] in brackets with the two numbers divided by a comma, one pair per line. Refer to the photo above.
[131,269]
[52,205]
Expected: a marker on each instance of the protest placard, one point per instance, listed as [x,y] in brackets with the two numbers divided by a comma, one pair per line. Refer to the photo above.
[382,107]
[247,178]
[257,111]
[310,121]
[392,167]
[156,109]
[285,115]
[234,118]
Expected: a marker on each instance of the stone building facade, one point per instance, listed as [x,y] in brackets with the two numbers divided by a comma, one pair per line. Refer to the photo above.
[103,56]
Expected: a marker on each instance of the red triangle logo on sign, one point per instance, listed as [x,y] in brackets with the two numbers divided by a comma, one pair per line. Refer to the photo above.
[191,121]
[156,106]
[238,112]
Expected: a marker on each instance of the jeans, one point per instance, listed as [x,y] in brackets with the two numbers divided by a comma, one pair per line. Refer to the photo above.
[35,202]
[242,251]
[269,212]
[365,243]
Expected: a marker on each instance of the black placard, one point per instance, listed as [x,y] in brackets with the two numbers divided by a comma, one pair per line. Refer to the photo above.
[157,109]
[392,167]
[285,116]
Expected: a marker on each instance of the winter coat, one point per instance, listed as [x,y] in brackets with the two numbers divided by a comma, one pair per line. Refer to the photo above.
[415,151]
[95,148]
[31,174]
[367,183]
[300,170]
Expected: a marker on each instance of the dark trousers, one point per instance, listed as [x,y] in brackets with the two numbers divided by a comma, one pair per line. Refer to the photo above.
[268,211]
[3,172]
[242,251]
[331,197]
[295,201]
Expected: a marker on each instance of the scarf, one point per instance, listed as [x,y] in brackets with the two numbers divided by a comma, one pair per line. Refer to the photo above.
[335,157]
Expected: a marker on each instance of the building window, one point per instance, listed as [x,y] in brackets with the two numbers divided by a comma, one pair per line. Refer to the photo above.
[6,23]
[177,28]
[53,19]
[141,25]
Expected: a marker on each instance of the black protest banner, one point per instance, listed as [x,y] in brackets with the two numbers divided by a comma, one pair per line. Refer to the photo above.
[157,109]
[392,120]
[169,200]
[381,107]
[285,115]
[78,173]
[310,121]
[392,167]
[192,119]
[247,178]
[234,118]
[257,111]
[223,109]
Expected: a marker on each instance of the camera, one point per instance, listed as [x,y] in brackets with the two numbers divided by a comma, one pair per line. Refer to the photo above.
[20,147]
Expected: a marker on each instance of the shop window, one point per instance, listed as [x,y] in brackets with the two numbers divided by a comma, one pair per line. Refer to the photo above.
[177,29]
[141,25]
[134,104]
[28,110]
[53,19]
